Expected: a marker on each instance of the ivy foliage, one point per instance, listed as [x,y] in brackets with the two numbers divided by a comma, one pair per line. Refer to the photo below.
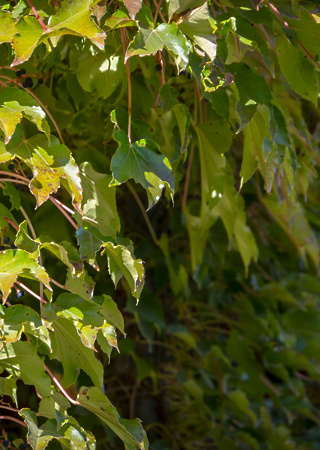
[211,109]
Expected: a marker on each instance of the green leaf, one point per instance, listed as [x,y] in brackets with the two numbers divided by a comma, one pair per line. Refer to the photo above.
[121,263]
[99,201]
[140,162]
[130,431]
[198,26]
[296,67]
[22,361]
[149,41]
[25,242]
[89,242]
[82,284]
[48,163]
[70,433]
[7,27]
[68,19]
[68,348]
[8,387]
[12,324]
[214,140]
[240,404]
[119,19]
[14,263]
[258,150]
[177,7]
[103,75]
[111,313]
[13,193]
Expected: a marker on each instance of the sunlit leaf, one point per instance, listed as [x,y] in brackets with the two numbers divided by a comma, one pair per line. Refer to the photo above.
[14,263]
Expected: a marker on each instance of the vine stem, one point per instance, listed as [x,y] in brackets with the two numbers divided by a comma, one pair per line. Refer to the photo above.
[64,206]
[24,287]
[9,408]
[57,204]
[25,215]
[158,11]
[57,383]
[145,215]
[35,12]
[57,284]
[158,6]
[14,420]
[124,43]
[11,222]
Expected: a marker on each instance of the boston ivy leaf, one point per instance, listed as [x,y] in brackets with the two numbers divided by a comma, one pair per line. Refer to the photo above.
[21,360]
[102,74]
[140,162]
[119,19]
[13,321]
[68,348]
[258,150]
[7,26]
[8,387]
[14,263]
[121,263]
[111,313]
[133,7]
[10,115]
[214,140]
[89,241]
[48,163]
[130,431]
[84,314]
[70,434]
[176,7]
[198,27]
[25,242]
[99,201]
[13,194]
[149,41]
[296,67]
[82,284]
[69,18]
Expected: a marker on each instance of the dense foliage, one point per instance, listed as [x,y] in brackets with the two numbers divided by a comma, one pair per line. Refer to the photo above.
[210,109]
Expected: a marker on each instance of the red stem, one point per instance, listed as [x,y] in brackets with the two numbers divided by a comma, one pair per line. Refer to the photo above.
[24,287]
[57,383]
[35,12]
[14,420]
[55,202]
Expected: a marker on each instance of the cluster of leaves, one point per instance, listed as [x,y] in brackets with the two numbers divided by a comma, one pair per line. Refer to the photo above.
[215,101]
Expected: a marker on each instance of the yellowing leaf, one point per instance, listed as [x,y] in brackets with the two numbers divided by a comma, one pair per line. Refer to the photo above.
[14,263]
[7,26]
[133,7]
[70,18]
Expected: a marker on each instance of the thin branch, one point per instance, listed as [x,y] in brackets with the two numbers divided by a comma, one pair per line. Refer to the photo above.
[124,45]
[133,399]
[25,288]
[57,383]
[14,181]
[277,13]
[64,206]
[55,202]
[14,420]
[158,11]
[145,215]
[13,174]
[11,222]
[35,12]
[158,6]
[9,408]
[57,284]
